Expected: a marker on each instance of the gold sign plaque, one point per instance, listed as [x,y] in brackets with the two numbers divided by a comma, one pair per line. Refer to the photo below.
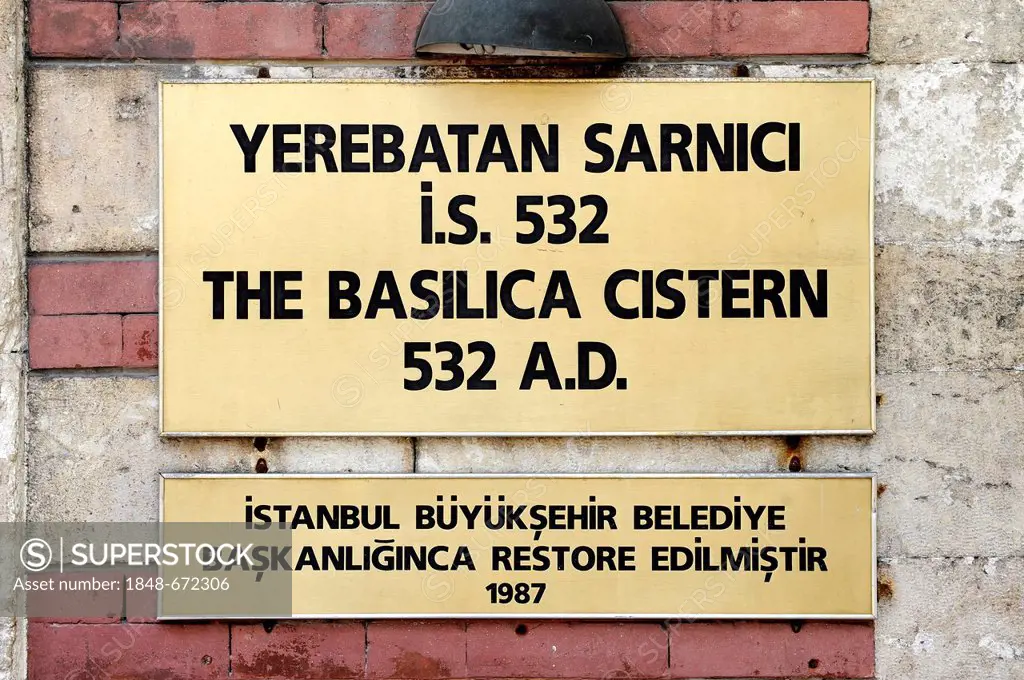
[512,258]
[658,546]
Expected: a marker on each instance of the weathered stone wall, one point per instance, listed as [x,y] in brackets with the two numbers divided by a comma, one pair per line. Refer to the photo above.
[949,294]
[13,338]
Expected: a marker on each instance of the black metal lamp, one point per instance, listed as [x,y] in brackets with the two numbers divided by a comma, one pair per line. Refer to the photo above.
[584,29]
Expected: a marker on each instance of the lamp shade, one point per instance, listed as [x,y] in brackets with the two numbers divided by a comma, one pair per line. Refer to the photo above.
[563,28]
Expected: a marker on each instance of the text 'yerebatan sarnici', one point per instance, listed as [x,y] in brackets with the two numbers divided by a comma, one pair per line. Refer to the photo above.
[517,258]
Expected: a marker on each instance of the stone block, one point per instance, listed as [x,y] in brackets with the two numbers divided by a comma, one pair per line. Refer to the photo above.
[949,152]
[951,618]
[93,151]
[946,307]
[96,454]
[904,31]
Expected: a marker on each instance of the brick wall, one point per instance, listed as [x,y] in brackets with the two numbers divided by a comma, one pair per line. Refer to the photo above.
[387,30]
[435,650]
[93,314]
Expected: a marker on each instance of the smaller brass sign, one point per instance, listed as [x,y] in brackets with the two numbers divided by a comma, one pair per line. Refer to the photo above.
[581,546]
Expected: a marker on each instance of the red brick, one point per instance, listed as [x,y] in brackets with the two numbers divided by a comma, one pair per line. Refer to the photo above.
[384,30]
[416,650]
[747,649]
[559,649]
[246,30]
[92,287]
[776,28]
[676,29]
[167,651]
[298,651]
[139,342]
[710,28]
[74,341]
[72,29]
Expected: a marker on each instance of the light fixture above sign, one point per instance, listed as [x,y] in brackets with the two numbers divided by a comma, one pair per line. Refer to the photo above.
[575,29]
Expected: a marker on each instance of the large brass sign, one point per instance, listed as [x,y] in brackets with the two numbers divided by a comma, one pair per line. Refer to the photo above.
[658,546]
[591,257]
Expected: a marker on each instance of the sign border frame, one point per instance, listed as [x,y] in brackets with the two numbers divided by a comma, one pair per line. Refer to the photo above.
[871,430]
[568,475]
